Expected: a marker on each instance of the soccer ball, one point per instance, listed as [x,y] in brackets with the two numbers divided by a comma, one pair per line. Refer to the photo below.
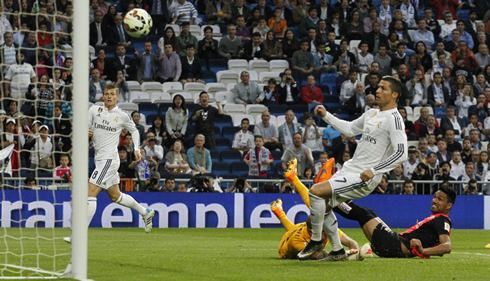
[364,252]
[137,22]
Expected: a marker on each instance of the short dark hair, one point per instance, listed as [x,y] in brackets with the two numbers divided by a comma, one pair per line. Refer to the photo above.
[256,34]
[395,85]
[185,23]
[451,194]
[208,28]
[189,46]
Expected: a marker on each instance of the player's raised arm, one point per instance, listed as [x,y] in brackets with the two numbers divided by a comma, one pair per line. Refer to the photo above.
[347,128]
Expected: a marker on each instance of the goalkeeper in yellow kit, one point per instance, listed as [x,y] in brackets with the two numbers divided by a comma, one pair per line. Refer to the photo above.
[298,235]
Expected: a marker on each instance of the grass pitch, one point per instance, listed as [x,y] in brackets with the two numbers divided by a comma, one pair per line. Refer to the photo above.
[251,254]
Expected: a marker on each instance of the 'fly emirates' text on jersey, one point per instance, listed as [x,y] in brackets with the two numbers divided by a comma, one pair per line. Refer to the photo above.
[383,144]
[107,126]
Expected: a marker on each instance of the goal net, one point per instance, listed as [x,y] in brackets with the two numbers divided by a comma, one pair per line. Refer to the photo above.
[38,117]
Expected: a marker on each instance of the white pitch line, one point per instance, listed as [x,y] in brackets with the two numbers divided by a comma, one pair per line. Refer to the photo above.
[468,253]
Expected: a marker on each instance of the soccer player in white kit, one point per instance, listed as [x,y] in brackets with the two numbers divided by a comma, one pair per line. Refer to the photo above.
[105,125]
[383,146]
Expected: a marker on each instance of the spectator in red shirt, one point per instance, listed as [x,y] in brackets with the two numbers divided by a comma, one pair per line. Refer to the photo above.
[311,93]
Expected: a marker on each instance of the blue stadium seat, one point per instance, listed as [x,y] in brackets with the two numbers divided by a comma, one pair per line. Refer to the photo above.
[463,14]
[148,108]
[217,131]
[208,76]
[221,168]
[226,121]
[215,156]
[279,169]
[277,109]
[295,30]
[331,98]
[216,65]
[229,132]
[230,156]
[150,118]
[239,168]
[163,107]
[222,144]
[440,112]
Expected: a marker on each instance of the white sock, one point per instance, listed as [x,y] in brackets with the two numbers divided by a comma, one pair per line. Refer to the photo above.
[317,210]
[128,201]
[91,208]
[331,227]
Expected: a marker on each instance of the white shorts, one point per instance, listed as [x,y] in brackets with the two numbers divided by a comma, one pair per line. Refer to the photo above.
[346,186]
[105,173]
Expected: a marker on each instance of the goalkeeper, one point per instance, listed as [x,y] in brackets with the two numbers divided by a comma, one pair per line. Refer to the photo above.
[298,235]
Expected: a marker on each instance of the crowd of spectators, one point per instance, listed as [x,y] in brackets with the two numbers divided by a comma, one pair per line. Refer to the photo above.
[444,67]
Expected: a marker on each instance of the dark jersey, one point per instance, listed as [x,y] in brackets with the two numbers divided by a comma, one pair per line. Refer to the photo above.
[428,231]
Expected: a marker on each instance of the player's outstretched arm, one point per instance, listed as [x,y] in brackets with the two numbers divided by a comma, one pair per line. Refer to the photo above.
[348,128]
[349,242]
[443,248]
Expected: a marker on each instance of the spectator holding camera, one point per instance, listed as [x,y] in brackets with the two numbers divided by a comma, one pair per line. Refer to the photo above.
[240,185]
[420,174]
[444,174]
[201,183]
[471,188]
[152,148]
[176,160]
[258,159]
[468,175]
[286,187]
[153,184]
[397,174]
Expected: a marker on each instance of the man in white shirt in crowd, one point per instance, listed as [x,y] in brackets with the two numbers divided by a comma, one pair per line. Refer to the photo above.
[288,129]
[457,166]
[18,77]
[448,26]
[268,131]
[347,89]
[151,147]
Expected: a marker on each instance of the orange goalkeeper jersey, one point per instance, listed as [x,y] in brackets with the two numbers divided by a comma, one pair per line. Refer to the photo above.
[295,240]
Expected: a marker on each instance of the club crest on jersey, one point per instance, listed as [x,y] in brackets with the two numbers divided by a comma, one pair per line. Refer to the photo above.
[379,124]
[100,109]
[116,119]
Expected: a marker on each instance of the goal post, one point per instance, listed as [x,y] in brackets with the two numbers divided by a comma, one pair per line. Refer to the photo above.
[80,140]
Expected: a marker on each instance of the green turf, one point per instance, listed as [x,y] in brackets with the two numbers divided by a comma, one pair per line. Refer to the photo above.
[251,254]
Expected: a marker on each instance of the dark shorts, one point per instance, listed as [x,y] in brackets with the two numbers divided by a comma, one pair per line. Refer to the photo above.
[386,243]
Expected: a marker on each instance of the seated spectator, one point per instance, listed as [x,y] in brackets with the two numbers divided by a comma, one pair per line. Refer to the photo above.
[466,54]
[373,18]
[480,110]
[170,66]
[241,31]
[119,35]
[63,171]
[397,175]
[301,152]
[168,37]
[482,165]
[356,105]
[420,174]
[135,115]
[218,12]
[475,139]
[290,45]
[303,62]
[439,51]
[309,21]
[363,58]
[254,49]
[354,28]
[482,57]
[230,46]
[30,183]
[414,158]
[383,186]
[422,121]
[311,93]
[469,174]
[187,13]
[182,187]
[452,122]
[247,92]
[344,56]
[239,9]
[452,144]
[271,92]
[409,127]
[471,188]
[104,66]
[124,170]
[122,86]
[169,185]
[443,155]
[288,129]
[288,89]
[254,18]
[400,29]
[347,88]
[208,47]
[258,159]
[343,144]
[153,149]
[272,47]
[312,137]
[176,159]
[474,124]
[176,119]
[324,64]
[185,39]
[199,157]
[424,35]
[430,128]
[268,131]
[262,28]
[240,185]
[457,166]
[432,142]
[191,67]
[17,76]
[125,63]
[408,188]
[161,135]
[243,139]
[153,183]
[384,60]
[437,94]
[343,76]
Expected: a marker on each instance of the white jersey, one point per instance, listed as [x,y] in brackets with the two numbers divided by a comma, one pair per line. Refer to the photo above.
[20,77]
[409,168]
[383,144]
[107,126]
[243,139]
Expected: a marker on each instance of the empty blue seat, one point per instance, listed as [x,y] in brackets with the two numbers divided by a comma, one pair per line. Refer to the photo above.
[148,108]
[221,168]
[208,76]
[222,144]
[216,65]
[230,156]
[215,156]
[239,168]
[225,121]
[440,112]
[229,132]
[463,14]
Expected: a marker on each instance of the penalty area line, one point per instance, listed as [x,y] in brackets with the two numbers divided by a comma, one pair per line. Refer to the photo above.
[468,253]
